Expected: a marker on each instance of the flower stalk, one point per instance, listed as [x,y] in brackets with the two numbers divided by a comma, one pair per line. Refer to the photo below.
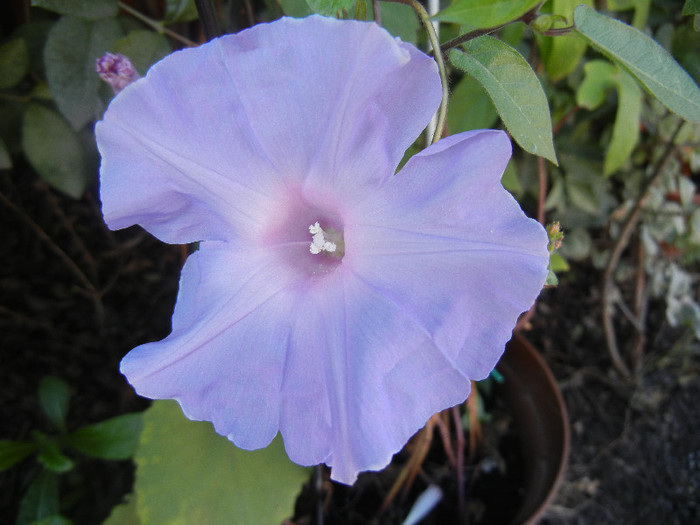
[435,43]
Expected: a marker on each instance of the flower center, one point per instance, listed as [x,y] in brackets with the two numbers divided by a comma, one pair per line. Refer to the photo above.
[327,240]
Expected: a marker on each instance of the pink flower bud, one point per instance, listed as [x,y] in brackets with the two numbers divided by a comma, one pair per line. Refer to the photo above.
[116,70]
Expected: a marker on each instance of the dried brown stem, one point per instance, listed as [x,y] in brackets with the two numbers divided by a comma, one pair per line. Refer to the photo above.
[442,422]
[408,473]
[88,288]
[459,470]
[619,247]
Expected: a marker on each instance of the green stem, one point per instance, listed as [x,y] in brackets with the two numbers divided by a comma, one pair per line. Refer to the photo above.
[158,26]
[435,43]
[461,39]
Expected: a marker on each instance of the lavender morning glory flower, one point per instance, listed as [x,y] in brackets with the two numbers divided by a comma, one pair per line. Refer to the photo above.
[330,300]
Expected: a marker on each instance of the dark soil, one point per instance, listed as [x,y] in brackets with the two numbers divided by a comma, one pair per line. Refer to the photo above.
[74,298]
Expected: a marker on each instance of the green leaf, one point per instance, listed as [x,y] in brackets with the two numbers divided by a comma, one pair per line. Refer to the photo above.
[186,473]
[5,159]
[73,46]
[564,52]
[558,264]
[52,520]
[332,7]
[470,107]
[14,62]
[115,438]
[180,11]
[12,452]
[295,8]
[625,135]
[50,454]
[89,9]
[691,7]
[600,77]
[41,499]
[54,150]
[143,48]
[54,396]
[473,14]
[510,180]
[515,90]
[34,35]
[685,45]
[552,279]
[644,59]
[400,20]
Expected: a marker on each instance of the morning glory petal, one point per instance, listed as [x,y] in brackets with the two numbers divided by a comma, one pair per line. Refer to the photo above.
[333,102]
[383,378]
[446,241]
[224,360]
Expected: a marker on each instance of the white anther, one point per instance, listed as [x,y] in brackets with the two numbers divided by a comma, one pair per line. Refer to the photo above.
[319,243]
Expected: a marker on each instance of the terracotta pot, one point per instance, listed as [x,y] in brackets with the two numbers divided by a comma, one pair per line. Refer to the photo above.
[539,413]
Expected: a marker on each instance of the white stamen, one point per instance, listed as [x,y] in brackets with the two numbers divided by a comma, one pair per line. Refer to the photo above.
[319,243]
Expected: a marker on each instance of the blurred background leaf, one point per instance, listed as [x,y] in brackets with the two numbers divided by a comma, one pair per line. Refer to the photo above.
[72,48]
[89,9]
[115,438]
[54,397]
[14,62]
[54,150]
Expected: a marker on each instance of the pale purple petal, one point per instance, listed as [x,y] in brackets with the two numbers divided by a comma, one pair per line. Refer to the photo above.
[225,357]
[444,240]
[383,378]
[224,123]
[333,102]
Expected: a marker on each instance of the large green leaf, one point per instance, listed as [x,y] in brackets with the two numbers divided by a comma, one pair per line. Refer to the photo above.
[115,438]
[12,452]
[470,107]
[186,473]
[73,46]
[90,9]
[515,90]
[14,62]
[54,150]
[642,57]
[473,14]
[54,395]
